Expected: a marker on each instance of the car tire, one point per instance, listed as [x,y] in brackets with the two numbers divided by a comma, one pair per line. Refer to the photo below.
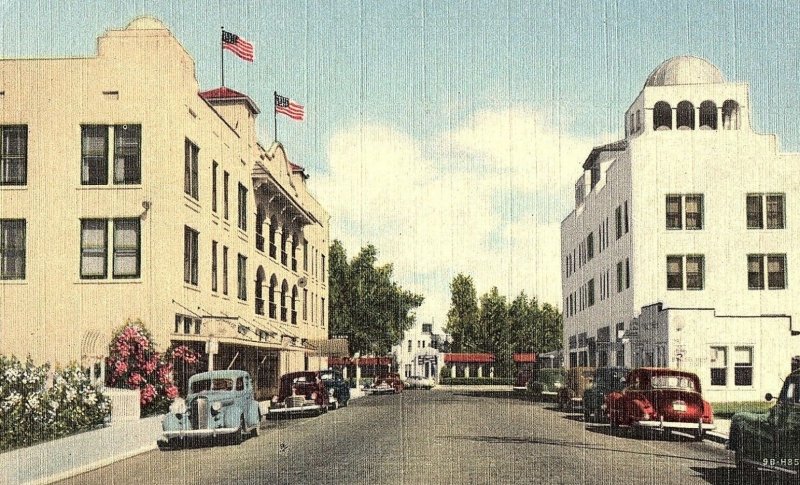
[587,416]
[614,426]
[345,402]
[699,435]
[257,430]
[238,436]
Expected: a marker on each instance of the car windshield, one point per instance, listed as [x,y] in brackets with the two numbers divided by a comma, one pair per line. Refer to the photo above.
[672,382]
[212,385]
[328,376]
[301,380]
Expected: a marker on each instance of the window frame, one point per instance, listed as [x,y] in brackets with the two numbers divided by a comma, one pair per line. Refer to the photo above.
[225,270]
[724,367]
[671,277]
[16,253]
[137,173]
[743,366]
[191,176]
[114,249]
[86,169]
[10,160]
[191,250]
[699,223]
[104,275]
[214,266]
[241,277]
[242,216]
[214,167]
[700,260]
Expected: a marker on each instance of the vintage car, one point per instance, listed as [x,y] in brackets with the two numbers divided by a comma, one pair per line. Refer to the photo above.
[300,393]
[338,388]
[661,399]
[419,382]
[606,380]
[521,382]
[388,384]
[545,383]
[219,403]
[770,440]
[570,396]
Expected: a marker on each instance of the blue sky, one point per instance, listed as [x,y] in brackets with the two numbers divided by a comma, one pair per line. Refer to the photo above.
[449,133]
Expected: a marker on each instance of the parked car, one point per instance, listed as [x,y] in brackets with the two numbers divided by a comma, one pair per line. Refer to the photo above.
[388,384]
[419,382]
[521,382]
[661,399]
[546,383]
[219,403]
[300,393]
[770,440]
[338,388]
[577,379]
[606,380]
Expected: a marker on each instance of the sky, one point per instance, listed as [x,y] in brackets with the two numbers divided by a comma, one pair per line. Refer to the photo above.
[449,134]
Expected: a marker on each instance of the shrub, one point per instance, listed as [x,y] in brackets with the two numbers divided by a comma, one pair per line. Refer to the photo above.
[444,372]
[134,363]
[37,404]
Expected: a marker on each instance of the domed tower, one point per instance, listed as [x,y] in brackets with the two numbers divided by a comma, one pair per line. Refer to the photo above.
[687,93]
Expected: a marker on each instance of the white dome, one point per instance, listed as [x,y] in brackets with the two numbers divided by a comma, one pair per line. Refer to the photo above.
[145,22]
[685,70]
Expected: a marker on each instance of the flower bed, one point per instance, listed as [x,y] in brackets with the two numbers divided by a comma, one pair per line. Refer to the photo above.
[39,404]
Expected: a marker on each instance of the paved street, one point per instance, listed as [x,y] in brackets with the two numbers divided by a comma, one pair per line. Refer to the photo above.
[434,437]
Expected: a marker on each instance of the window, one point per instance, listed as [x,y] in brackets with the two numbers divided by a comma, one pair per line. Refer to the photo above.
[214,166]
[322,315]
[755,218]
[241,269]
[94,154]
[127,154]
[674,212]
[694,272]
[94,244]
[674,272]
[225,183]
[775,211]
[589,246]
[190,173]
[305,255]
[776,271]
[590,291]
[618,215]
[224,270]
[719,366]
[323,268]
[184,324]
[627,273]
[13,155]
[662,116]
[620,281]
[305,307]
[126,248]
[190,262]
[12,249]
[242,207]
[626,216]
[684,116]
[694,211]
[213,265]
[743,366]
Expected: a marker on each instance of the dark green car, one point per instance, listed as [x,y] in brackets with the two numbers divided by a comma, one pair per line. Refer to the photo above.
[772,439]
[545,383]
[606,380]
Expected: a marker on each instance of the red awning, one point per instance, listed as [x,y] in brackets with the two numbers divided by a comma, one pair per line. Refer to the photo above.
[466,358]
[524,358]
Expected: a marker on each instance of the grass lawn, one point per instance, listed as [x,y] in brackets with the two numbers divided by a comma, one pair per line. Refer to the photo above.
[725,410]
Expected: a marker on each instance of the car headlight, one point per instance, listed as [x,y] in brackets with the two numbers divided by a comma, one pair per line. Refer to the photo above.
[178,406]
[313,396]
[275,398]
[557,385]
[216,406]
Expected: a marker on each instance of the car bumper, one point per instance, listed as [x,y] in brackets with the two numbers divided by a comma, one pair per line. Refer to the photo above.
[198,433]
[294,410]
[379,391]
[520,388]
[675,425]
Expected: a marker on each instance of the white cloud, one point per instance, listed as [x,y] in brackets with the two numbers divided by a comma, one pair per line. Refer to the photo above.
[485,199]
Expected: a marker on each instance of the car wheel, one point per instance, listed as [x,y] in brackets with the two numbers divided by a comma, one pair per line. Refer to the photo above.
[238,435]
[614,425]
[345,402]
[587,415]
[257,430]
[699,435]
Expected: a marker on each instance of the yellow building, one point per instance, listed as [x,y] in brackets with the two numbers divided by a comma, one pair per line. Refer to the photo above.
[126,192]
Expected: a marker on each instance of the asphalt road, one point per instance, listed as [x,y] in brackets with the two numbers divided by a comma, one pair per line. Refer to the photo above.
[433,437]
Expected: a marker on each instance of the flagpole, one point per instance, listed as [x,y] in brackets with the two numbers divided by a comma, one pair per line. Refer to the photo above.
[222,55]
[275,113]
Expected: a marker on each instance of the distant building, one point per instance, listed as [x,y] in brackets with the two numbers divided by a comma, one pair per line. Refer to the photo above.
[418,353]
[127,192]
[678,249]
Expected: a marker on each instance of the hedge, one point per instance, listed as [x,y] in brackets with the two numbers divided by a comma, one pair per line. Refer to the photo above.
[476,381]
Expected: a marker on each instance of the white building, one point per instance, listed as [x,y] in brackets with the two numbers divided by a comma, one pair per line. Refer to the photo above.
[418,352]
[676,253]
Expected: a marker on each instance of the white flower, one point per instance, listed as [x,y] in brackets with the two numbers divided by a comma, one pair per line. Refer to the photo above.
[70,394]
[91,398]
[54,405]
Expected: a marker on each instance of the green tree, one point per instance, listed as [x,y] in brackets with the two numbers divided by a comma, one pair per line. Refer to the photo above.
[365,303]
[462,318]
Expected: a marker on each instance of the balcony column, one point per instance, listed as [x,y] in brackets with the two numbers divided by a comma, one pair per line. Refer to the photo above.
[480,371]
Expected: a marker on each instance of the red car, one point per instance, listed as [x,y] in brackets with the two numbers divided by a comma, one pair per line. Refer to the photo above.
[300,393]
[390,383]
[661,399]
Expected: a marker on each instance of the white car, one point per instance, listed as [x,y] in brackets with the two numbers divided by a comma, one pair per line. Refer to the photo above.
[418,382]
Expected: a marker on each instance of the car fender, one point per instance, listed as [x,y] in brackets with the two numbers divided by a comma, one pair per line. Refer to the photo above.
[254,414]
[641,406]
[708,412]
[233,414]
[171,422]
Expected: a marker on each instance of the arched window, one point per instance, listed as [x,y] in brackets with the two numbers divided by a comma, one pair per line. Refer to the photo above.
[295,244]
[684,116]
[708,115]
[273,229]
[294,305]
[730,115]
[260,277]
[284,294]
[273,287]
[662,116]
[284,254]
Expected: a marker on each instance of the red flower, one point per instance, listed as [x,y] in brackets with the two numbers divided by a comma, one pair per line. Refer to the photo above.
[171,391]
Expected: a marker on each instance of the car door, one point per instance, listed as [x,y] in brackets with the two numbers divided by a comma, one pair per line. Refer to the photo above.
[785,417]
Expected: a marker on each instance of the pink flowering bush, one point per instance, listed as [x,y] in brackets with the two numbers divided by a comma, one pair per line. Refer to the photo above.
[40,404]
[134,363]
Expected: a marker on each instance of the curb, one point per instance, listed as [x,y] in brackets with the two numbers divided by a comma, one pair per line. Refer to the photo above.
[92,466]
[717,437]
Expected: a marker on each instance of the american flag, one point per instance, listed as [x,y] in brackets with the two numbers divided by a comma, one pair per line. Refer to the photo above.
[289,108]
[238,46]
